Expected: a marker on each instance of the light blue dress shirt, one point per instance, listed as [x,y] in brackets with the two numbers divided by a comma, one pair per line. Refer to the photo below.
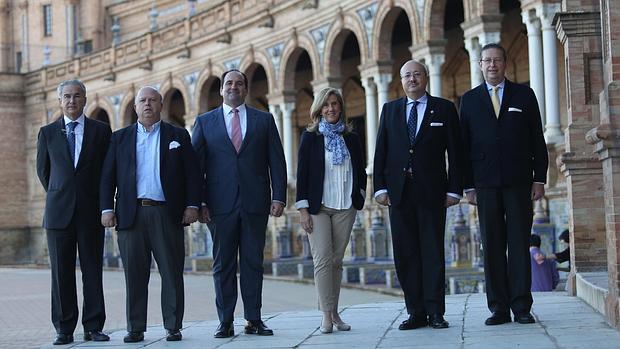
[148,179]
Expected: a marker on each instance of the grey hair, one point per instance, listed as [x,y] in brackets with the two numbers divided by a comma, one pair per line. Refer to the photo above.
[74,82]
[161,97]
[417,62]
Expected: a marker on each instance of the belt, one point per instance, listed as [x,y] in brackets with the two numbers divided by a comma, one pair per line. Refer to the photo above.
[149,202]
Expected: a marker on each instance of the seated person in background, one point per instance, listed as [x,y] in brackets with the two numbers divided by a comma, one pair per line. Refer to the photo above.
[545,276]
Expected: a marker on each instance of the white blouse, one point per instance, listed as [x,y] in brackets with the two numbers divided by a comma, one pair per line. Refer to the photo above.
[337,183]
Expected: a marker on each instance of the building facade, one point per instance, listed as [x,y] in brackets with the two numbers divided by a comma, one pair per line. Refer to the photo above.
[567,51]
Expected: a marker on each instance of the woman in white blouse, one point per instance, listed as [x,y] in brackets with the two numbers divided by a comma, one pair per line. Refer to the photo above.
[331,183]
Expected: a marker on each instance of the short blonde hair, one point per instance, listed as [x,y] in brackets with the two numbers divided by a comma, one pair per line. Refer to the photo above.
[320,100]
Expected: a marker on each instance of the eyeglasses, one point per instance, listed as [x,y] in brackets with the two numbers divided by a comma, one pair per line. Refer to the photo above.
[492,60]
[409,75]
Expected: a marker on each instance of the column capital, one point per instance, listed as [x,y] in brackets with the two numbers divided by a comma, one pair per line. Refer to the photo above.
[479,26]
[382,79]
[283,97]
[546,12]
[531,21]
[373,68]
[331,81]
[434,61]
[368,82]
[428,47]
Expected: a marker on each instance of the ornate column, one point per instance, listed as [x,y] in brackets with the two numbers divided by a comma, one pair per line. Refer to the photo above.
[371,120]
[5,39]
[580,166]
[382,81]
[473,47]
[534,46]
[277,116]
[434,63]
[287,137]
[23,11]
[546,12]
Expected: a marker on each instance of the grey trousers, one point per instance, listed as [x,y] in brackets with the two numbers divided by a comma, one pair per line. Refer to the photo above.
[154,233]
[328,241]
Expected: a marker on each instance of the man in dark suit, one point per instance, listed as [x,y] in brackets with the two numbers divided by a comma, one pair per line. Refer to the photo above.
[70,153]
[410,176]
[153,169]
[240,152]
[505,169]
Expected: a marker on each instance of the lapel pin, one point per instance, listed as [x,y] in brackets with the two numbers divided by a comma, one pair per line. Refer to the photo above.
[432,111]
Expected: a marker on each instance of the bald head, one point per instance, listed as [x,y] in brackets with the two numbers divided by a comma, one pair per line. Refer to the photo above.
[414,78]
[148,105]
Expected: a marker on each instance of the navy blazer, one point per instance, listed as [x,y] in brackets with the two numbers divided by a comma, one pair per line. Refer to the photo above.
[257,174]
[311,169]
[505,150]
[179,174]
[439,133]
[70,188]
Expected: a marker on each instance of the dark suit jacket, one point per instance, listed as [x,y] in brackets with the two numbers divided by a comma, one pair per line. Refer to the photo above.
[509,150]
[430,180]
[179,174]
[68,188]
[227,174]
[311,169]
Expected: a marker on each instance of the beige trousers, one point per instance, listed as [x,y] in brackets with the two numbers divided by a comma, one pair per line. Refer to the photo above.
[328,241]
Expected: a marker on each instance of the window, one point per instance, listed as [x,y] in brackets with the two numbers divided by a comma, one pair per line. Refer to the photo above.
[88,46]
[47,20]
[18,62]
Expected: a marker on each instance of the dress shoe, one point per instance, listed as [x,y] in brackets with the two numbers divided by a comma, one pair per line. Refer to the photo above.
[437,321]
[258,327]
[96,335]
[133,337]
[62,339]
[413,322]
[525,318]
[341,325]
[224,330]
[497,318]
[174,335]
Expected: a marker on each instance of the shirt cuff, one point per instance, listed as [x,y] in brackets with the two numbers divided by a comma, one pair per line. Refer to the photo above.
[196,207]
[469,189]
[302,204]
[282,202]
[380,191]
[106,211]
[363,192]
[540,183]
[456,196]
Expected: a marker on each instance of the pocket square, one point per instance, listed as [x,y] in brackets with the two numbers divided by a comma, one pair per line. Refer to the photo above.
[515,109]
[174,145]
[436,123]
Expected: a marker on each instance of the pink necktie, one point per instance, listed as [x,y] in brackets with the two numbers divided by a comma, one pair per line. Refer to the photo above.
[235,134]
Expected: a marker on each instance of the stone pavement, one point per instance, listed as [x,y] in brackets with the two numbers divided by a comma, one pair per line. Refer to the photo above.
[562,322]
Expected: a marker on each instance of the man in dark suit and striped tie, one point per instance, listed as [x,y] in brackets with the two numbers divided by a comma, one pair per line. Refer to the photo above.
[244,175]
[70,153]
[410,176]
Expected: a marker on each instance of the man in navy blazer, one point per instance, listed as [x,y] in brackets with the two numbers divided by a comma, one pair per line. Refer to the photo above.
[410,176]
[244,174]
[506,168]
[70,153]
[153,169]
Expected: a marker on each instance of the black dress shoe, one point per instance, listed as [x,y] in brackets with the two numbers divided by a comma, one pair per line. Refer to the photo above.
[258,327]
[525,318]
[133,337]
[498,318]
[174,335]
[437,321]
[224,330]
[62,339]
[96,336]
[413,322]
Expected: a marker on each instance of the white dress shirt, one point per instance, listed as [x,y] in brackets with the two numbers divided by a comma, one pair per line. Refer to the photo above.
[228,116]
[148,179]
[79,136]
[337,183]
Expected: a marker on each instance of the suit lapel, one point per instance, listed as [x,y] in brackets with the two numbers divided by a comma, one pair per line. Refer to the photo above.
[164,144]
[426,118]
[88,138]
[401,121]
[250,123]
[221,127]
[483,93]
[505,97]
[60,141]
[131,149]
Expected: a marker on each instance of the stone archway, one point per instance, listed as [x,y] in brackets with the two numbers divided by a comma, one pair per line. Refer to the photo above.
[101,115]
[209,97]
[258,87]
[174,108]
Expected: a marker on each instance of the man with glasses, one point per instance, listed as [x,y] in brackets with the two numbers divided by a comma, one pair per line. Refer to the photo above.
[505,169]
[410,176]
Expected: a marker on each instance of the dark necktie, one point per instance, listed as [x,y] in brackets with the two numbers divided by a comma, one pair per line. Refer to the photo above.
[235,132]
[412,123]
[70,129]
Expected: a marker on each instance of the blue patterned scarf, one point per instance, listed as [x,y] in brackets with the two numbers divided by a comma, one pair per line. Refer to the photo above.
[334,142]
